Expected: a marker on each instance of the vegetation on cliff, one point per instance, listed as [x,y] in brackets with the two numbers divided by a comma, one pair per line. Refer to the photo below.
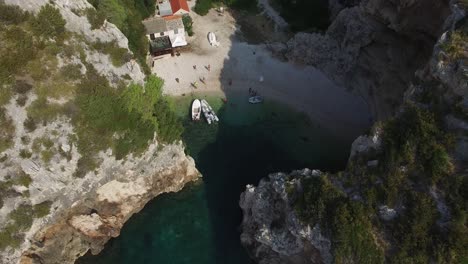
[44,72]
[127,16]
[416,176]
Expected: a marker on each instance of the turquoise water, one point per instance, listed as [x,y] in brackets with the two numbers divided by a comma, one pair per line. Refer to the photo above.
[200,224]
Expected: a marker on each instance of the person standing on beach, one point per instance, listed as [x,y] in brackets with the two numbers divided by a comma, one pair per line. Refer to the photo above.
[209,67]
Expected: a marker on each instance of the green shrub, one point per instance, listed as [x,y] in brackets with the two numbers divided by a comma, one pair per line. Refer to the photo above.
[41,111]
[188,24]
[119,56]
[318,196]
[22,87]
[456,45]
[9,236]
[127,16]
[124,120]
[11,14]
[17,49]
[5,94]
[203,6]
[7,130]
[353,236]
[23,179]
[25,154]
[29,124]
[42,209]
[23,216]
[48,23]
[95,18]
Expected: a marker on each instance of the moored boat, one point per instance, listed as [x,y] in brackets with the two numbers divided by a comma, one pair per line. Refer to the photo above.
[208,112]
[256,99]
[196,110]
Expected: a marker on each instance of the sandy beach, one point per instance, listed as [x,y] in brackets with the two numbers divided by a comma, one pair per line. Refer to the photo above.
[236,66]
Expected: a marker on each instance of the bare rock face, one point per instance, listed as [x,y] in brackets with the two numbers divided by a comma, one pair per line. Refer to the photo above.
[271,231]
[373,48]
[99,216]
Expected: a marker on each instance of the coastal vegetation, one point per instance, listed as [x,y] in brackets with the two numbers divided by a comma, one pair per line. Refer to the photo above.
[121,116]
[414,163]
[127,16]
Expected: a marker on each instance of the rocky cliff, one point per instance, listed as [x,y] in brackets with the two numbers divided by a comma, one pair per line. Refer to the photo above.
[60,195]
[402,196]
[372,47]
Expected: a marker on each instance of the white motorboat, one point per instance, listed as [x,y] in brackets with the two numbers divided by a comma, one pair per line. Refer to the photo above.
[212,39]
[213,114]
[196,110]
[208,112]
[256,99]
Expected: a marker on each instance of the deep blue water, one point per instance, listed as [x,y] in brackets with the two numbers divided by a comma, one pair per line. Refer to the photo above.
[200,224]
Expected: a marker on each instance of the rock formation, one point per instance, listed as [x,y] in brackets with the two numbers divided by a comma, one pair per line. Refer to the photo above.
[64,215]
[100,214]
[373,47]
[271,231]
[386,50]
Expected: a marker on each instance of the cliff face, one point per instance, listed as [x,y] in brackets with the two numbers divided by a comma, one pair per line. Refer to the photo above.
[55,205]
[373,47]
[100,214]
[391,193]
[271,231]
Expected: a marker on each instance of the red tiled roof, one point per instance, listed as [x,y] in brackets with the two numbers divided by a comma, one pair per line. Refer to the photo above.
[176,5]
[171,17]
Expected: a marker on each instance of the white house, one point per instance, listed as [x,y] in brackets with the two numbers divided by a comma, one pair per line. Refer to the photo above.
[170,27]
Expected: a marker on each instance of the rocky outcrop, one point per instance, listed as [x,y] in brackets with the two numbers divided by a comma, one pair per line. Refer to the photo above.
[271,231]
[79,212]
[101,213]
[376,48]
[373,48]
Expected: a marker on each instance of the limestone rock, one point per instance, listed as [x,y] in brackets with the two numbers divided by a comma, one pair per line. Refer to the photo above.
[271,231]
[373,48]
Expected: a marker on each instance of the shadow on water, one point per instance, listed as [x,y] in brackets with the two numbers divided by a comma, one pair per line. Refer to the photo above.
[242,155]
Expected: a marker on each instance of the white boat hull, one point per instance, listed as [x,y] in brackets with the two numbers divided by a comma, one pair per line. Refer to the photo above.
[196,110]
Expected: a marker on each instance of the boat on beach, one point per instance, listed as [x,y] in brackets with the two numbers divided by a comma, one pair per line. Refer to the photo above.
[196,110]
[256,99]
[208,112]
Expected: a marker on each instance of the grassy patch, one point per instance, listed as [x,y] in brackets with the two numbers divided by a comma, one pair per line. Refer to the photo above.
[119,56]
[11,14]
[42,209]
[353,236]
[7,130]
[124,120]
[45,147]
[457,45]
[48,23]
[25,154]
[95,18]
[42,111]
